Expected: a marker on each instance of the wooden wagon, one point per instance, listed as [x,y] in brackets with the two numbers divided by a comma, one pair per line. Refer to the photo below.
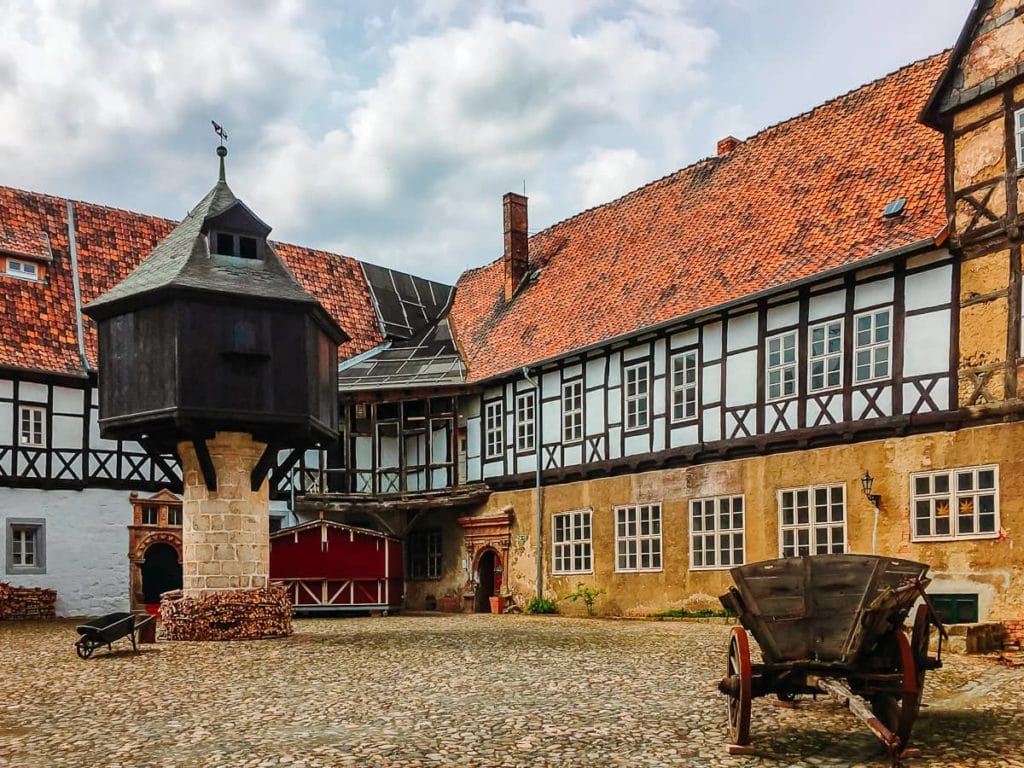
[832,624]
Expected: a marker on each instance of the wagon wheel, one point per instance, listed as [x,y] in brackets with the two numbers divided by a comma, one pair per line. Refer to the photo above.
[84,649]
[898,711]
[920,637]
[738,667]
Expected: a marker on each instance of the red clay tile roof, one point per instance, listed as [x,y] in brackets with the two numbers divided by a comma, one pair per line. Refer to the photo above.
[39,318]
[799,198]
[18,241]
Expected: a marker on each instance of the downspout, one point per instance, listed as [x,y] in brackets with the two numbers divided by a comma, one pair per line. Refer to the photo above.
[73,251]
[538,503]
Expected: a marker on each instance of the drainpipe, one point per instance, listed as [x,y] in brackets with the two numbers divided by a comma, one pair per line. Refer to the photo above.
[538,503]
[73,252]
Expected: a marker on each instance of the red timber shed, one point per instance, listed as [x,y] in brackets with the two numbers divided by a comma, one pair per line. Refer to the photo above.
[327,566]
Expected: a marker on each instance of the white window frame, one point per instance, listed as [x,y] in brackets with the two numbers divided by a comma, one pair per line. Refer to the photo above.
[32,433]
[638,530]
[21,269]
[873,346]
[572,543]
[954,498]
[1018,136]
[709,510]
[813,525]
[494,432]
[572,411]
[825,356]
[782,366]
[685,391]
[16,530]
[639,400]
[526,412]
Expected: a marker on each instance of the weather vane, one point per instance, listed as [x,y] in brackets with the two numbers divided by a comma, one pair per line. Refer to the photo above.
[219,130]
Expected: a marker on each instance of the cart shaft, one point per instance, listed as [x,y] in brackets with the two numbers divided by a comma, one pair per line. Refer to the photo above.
[857,706]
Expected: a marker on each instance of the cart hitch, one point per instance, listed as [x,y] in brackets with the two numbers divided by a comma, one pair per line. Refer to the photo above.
[856,705]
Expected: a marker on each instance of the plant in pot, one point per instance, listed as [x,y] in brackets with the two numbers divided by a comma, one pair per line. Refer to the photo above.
[450,603]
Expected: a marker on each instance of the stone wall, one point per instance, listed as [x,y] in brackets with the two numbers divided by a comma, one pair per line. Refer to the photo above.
[225,533]
[86,546]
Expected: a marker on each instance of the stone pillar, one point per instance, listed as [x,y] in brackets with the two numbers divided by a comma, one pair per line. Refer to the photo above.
[225,533]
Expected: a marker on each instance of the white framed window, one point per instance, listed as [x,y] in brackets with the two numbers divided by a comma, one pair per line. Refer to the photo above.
[781,366]
[26,270]
[872,344]
[494,434]
[638,537]
[32,430]
[571,542]
[525,420]
[637,395]
[1018,136]
[716,533]
[150,514]
[812,521]
[684,386]
[174,517]
[825,356]
[26,545]
[956,503]
[572,411]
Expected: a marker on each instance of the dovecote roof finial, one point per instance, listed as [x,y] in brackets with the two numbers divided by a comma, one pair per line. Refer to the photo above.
[221,149]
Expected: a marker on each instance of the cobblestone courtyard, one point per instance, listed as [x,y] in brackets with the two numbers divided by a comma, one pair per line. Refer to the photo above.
[452,690]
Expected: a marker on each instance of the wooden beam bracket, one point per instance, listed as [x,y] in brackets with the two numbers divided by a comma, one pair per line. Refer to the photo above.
[205,463]
[259,472]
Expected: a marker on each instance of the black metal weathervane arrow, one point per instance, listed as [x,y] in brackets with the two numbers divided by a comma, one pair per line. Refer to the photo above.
[219,130]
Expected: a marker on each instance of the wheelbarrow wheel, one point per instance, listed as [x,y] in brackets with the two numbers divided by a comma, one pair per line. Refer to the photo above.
[738,667]
[84,649]
[898,711]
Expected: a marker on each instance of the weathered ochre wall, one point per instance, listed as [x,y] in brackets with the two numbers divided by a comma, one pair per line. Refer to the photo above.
[994,567]
[225,533]
[453,575]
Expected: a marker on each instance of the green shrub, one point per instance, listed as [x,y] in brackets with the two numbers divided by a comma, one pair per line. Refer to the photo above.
[541,605]
[587,594]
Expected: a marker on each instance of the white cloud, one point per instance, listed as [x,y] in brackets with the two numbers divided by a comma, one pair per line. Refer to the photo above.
[78,79]
[609,173]
[463,114]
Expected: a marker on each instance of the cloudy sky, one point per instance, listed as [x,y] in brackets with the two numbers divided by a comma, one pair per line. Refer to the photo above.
[388,131]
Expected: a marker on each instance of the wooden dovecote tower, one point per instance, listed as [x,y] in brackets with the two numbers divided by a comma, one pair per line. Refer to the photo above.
[212,348]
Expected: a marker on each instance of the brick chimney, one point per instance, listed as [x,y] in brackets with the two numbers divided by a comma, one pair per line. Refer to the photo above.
[517,253]
[727,145]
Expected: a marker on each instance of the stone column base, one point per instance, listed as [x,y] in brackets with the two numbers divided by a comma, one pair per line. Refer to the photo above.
[244,614]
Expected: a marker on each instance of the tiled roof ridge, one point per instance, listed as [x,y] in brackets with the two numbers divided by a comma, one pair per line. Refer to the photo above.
[100,206]
[175,222]
[714,158]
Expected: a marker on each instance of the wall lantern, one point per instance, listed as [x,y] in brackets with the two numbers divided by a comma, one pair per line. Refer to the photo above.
[866,483]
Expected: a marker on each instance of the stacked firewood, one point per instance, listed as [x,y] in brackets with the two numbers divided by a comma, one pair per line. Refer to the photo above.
[245,614]
[27,602]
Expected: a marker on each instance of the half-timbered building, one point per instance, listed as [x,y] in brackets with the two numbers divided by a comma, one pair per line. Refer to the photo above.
[809,342]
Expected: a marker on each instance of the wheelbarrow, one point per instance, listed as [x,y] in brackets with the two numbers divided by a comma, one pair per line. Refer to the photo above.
[105,630]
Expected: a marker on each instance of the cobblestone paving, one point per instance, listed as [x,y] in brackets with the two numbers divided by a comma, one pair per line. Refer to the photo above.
[453,690]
